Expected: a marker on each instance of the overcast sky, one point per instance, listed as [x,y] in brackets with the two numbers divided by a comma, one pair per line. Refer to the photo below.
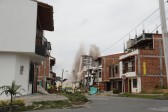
[100,22]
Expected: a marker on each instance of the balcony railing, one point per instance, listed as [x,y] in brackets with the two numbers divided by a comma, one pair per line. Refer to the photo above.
[42,46]
[129,69]
[40,50]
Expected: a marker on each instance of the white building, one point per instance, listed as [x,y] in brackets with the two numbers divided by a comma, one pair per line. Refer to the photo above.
[88,71]
[22,44]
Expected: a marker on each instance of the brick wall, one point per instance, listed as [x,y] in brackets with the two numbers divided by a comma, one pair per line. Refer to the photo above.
[41,70]
[107,61]
[153,68]
[101,86]
[149,83]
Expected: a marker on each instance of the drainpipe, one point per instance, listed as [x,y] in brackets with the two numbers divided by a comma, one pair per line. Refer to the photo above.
[139,64]
[105,70]
[44,67]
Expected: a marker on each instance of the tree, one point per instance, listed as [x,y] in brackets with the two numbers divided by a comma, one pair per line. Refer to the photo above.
[11,90]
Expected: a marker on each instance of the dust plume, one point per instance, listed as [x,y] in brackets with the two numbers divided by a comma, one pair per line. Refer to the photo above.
[94,51]
[77,61]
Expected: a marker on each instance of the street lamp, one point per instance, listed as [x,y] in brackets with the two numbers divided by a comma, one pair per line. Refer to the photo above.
[63,76]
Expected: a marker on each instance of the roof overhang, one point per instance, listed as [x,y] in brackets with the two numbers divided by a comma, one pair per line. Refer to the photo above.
[45,16]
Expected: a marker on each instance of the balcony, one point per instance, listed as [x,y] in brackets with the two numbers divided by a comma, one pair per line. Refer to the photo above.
[42,46]
[129,67]
[52,61]
[140,42]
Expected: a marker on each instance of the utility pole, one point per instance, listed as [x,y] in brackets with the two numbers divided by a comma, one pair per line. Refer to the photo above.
[161,66]
[62,76]
[97,68]
[164,33]
[88,79]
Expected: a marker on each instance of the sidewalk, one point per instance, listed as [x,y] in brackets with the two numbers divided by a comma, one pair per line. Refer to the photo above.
[29,99]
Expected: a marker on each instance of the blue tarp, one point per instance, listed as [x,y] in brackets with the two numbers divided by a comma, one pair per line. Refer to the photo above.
[93,90]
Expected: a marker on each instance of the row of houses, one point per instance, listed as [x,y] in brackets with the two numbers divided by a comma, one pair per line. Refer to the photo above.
[24,50]
[141,67]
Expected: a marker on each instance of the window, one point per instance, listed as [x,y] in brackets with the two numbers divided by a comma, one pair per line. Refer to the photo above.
[31,73]
[99,74]
[125,67]
[112,71]
[116,69]
[21,70]
[134,83]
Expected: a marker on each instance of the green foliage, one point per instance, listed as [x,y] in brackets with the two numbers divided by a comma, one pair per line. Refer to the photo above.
[146,96]
[11,90]
[19,102]
[15,102]
[116,91]
[77,98]
[46,105]
[4,103]
[160,87]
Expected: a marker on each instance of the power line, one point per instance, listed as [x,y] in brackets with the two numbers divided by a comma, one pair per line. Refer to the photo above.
[131,30]
[157,27]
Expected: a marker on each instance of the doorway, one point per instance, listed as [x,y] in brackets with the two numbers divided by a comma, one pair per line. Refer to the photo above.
[130,87]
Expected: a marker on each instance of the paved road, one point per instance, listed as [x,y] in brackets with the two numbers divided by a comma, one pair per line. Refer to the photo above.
[118,104]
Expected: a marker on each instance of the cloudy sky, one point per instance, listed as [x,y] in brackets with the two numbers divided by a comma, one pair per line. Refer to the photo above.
[100,22]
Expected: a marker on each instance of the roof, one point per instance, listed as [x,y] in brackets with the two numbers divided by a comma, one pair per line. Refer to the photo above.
[45,16]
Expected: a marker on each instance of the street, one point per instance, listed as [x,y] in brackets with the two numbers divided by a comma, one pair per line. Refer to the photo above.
[117,104]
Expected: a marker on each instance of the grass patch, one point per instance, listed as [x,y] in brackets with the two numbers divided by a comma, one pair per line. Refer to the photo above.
[162,97]
[77,98]
[146,96]
[46,105]
[73,99]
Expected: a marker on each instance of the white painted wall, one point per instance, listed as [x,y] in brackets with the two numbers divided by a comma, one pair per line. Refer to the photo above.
[120,69]
[10,70]
[129,54]
[18,25]
[138,89]
[130,74]
[139,84]
[23,79]
[7,70]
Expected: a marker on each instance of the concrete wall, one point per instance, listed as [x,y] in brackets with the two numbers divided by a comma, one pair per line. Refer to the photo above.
[10,65]
[23,79]
[138,88]
[7,70]
[18,25]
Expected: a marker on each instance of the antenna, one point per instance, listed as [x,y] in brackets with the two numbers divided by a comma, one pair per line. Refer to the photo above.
[157,29]
[135,33]
[124,46]
[143,25]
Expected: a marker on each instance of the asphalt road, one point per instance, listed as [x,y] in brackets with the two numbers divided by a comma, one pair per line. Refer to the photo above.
[118,104]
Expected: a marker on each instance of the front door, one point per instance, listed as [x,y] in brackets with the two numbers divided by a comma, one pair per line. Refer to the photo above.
[130,86]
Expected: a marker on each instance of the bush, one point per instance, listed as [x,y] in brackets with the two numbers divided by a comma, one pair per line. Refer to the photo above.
[160,87]
[116,91]
[15,102]
[77,98]
[19,102]
[4,103]
[125,95]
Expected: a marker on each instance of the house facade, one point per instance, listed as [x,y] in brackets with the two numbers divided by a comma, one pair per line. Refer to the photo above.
[45,72]
[143,67]
[107,63]
[22,42]
[85,71]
